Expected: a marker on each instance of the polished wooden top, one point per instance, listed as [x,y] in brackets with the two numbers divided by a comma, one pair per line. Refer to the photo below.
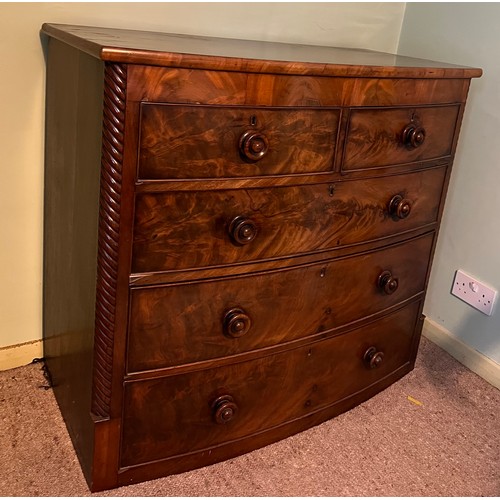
[162,49]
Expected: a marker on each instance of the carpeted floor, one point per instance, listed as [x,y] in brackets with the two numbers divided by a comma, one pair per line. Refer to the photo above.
[389,446]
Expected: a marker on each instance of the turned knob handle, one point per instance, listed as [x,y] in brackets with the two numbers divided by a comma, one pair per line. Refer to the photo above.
[373,358]
[399,207]
[236,323]
[413,136]
[253,145]
[224,409]
[242,230]
[387,282]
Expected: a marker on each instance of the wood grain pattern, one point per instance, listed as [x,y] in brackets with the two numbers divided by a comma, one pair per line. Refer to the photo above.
[180,85]
[109,231]
[180,324]
[375,136]
[286,90]
[289,220]
[204,141]
[399,91]
[172,416]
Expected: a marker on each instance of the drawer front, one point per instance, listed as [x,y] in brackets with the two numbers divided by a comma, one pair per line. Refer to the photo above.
[204,141]
[175,415]
[177,324]
[384,137]
[194,86]
[229,226]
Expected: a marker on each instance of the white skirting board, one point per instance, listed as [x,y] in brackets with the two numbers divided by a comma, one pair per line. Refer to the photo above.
[19,355]
[475,361]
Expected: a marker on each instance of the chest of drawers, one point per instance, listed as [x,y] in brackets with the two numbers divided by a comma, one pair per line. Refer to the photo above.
[238,237]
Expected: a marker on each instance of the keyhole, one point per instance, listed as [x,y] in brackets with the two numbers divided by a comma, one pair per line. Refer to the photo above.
[331,189]
[253,120]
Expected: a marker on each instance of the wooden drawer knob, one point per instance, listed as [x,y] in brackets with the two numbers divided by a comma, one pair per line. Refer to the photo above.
[373,358]
[399,207]
[253,145]
[236,323]
[224,409]
[242,230]
[387,282]
[413,136]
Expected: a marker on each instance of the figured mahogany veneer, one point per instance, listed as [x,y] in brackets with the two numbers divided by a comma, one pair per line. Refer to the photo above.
[286,220]
[238,237]
[378,137]
[206,141]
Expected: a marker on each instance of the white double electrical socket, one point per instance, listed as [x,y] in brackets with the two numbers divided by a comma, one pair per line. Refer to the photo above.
[477,294]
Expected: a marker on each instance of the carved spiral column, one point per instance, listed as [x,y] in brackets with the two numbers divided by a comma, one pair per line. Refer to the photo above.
[109,223]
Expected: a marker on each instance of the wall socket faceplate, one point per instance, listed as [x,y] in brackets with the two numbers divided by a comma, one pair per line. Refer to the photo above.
[476,294]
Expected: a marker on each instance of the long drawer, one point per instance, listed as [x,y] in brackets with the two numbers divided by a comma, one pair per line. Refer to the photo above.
[176,415]
[184,323]
[186,230]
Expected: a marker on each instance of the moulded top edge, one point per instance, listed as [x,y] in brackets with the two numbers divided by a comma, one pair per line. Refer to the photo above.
[177,50]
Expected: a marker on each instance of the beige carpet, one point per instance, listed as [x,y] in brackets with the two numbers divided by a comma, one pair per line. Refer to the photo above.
[388,446]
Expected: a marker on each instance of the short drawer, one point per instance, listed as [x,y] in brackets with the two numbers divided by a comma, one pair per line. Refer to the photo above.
[185,323]
[185,413]
[184,230]
[379,137]
[188,141]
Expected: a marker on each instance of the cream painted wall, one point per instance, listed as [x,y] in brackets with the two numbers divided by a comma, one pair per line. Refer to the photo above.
[466,33]
[366,25]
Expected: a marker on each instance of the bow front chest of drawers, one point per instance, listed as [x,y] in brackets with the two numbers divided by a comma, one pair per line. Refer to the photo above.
[238,237]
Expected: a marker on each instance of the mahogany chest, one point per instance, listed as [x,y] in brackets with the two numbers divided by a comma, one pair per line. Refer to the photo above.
[238,237]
